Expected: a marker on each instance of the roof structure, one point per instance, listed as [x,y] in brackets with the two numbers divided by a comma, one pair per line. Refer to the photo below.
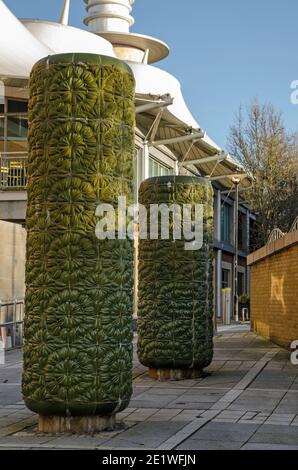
[112,20]
[19,49]
[162,114]
[24,42]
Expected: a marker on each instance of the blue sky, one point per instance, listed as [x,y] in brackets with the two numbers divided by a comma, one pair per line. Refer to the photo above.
[224,52]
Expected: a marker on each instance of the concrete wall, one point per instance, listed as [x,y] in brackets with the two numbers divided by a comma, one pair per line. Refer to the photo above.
[13,205]
[274,290]
[12,261]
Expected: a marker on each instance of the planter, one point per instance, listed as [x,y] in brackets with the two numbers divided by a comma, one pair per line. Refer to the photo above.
[175,308]
[78,335]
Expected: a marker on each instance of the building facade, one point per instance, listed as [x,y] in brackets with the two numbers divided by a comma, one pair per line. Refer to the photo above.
[168,139]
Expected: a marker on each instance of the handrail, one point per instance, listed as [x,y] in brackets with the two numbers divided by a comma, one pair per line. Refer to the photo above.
[8,304]
[12,113]
[13,153]
[9,323]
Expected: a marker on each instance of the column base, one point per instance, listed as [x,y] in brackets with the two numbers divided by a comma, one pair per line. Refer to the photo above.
[174,374]
[75,424]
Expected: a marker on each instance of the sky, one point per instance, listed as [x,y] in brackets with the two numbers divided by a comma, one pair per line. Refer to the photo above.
[224,52]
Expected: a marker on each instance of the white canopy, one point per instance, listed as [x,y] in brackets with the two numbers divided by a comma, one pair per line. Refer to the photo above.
[62,38]
[23,43]
[177,121]
[19,49]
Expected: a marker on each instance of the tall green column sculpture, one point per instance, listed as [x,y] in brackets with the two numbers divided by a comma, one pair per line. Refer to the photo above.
[175,307]
[78,336]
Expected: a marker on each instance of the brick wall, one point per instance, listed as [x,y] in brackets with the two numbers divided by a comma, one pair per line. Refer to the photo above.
[274,290]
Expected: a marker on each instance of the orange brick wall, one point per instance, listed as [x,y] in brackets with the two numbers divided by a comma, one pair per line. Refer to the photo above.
[274,296]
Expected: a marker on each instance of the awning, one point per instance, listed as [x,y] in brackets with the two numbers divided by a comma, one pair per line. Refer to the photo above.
[198,154]
[174,120]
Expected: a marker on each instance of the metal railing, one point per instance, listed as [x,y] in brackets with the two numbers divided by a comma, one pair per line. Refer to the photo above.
[13,170]
[295,225]
[275,235]
[11,323]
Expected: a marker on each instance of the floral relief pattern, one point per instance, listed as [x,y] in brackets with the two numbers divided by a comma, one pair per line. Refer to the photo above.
[78,322]
[175,308]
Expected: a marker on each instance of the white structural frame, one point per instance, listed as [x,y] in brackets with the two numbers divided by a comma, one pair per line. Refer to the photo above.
[161,102]
[230,176]
[220,157]
[196,134]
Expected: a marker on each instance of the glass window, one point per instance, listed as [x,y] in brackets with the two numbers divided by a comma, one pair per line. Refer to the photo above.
[16,106]
[158,169]
[17,127]
[241,287]
[225,279]
[17,121]
[13,143]
[2,121]
[241,230]
[226,223]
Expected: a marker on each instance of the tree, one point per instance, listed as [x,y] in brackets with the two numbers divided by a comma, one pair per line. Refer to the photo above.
[259,141]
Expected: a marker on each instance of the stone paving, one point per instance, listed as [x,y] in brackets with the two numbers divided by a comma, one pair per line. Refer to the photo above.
[247,399]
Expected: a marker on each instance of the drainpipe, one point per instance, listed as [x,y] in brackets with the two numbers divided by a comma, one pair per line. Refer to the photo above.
[142,174]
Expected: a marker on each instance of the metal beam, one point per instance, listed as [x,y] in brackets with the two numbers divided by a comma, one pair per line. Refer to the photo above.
[233,190]
[155,125]
[65,13]
[215,158]
[163,102]
[175,140]
[230,176]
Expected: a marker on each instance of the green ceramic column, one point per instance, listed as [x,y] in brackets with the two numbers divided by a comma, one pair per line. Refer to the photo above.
[78,338]
[175,308]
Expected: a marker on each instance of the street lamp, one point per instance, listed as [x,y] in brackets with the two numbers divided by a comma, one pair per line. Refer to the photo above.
[236,180]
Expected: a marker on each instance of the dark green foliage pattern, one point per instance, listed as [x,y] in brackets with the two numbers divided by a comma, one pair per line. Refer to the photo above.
[175,306]
[78,339]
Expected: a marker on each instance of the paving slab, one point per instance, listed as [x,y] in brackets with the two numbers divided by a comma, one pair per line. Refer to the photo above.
[200,444]
[247,399]
[225,431]
[274,434]
[270,447]
[148,434]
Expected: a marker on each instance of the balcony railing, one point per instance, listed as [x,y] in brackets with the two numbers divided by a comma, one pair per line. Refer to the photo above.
[13,170]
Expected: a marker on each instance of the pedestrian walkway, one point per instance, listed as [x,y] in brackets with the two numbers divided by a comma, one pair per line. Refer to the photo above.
[247,399]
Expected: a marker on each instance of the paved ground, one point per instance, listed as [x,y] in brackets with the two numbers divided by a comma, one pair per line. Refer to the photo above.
[247,400]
